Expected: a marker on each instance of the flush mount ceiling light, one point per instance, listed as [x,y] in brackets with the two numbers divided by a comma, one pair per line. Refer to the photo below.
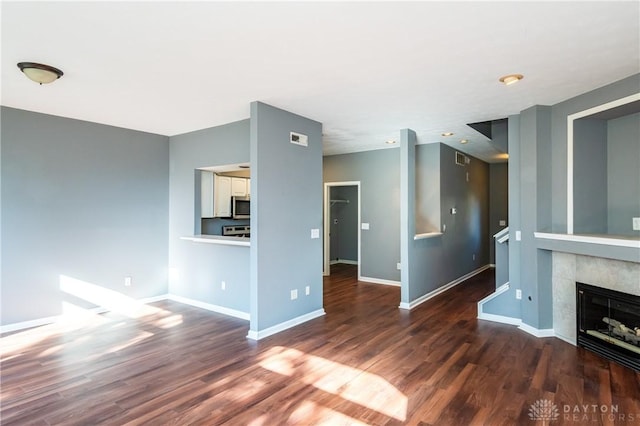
[511,78]
[447,134]
[463,141]
[391,142]
[40,73]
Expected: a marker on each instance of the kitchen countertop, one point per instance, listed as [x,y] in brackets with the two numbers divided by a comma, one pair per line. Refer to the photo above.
[219,239]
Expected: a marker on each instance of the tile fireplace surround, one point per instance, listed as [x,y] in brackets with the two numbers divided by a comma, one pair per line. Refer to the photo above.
[606,273]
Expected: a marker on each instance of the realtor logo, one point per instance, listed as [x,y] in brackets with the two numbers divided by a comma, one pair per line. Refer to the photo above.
[543,409]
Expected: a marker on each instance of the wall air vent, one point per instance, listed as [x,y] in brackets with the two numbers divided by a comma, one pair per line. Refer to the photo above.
[298,139]
[462,159]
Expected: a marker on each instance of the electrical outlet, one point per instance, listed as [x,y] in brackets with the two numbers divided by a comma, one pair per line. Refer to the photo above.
[518,294]
[636,223]
[503,223]
[364,226]
[294,294]
[223,285]
[127,281]
[315,233]
[398,266]
[307,290]
[453,210]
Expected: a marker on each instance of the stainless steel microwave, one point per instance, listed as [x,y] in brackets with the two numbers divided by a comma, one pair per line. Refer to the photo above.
[240,207]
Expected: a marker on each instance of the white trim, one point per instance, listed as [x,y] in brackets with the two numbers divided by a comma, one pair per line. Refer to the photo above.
[219,239]
[50,320]
[344,261]
[502,236]
[379,281]
[210,307]
[570,119]
[499,318]
[537,332]
[504,287]
[326,266]
[591,239]
[425,297]
[257,335]
[427,235]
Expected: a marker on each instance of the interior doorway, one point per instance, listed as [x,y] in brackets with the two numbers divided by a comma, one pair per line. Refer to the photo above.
[341,224]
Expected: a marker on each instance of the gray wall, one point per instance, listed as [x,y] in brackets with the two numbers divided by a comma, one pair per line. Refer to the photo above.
[344,223]
[467,232]
[538,199]
[428,212]
[623,166]
[379,174]
[284,176]
[498,202]
[81,200]
[199,268]
[428,264]
[560,111]
[590,176]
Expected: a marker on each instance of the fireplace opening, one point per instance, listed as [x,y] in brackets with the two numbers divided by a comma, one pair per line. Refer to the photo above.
[609,324]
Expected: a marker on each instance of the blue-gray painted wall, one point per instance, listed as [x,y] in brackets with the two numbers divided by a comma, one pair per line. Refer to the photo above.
[538,196]
[590,176]
[198,269]
[286,204]
[498,202]
[623,169]
[430,263]
[81,200]
[379,174]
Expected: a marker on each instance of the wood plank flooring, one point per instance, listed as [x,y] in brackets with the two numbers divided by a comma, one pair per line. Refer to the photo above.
[365,362]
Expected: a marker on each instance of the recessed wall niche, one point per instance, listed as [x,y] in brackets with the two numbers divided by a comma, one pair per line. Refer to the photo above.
[604,169]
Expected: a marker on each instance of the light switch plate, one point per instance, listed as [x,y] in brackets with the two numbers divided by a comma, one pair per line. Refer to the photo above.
[503,223]
[518,235]
[315,233]
[636,223]
[365,226]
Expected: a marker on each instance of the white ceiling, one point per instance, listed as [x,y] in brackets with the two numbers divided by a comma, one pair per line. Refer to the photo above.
[365,70]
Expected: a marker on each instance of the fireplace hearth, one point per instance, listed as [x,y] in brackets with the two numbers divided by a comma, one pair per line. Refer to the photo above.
[608,323]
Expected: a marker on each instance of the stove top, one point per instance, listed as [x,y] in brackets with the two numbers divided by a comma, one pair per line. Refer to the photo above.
[236,231]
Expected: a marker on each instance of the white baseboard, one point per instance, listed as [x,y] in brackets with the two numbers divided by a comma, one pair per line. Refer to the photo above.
[442,289]
[210,307]
[57,318]
[537,332]
[379,281]
[257,335]
[499,318]
[345,261]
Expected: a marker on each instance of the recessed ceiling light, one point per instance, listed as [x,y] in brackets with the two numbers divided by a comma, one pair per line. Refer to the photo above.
[40,73]
[511,78]
[447,134]
[463,141]
[391,142]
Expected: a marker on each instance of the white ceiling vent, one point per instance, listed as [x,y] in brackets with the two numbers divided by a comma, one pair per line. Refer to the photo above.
[298,139]
[461,159]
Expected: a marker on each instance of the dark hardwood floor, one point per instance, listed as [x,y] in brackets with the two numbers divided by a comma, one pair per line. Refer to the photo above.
[365,362]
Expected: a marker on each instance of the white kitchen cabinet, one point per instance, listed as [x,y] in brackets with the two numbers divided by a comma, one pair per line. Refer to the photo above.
[238,187]
[206,194]
[222,196]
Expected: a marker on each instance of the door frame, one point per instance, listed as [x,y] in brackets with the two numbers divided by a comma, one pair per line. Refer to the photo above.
[326,267]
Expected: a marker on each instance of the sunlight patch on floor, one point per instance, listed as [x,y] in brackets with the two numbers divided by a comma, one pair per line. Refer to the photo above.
[355,385]
[137,339]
